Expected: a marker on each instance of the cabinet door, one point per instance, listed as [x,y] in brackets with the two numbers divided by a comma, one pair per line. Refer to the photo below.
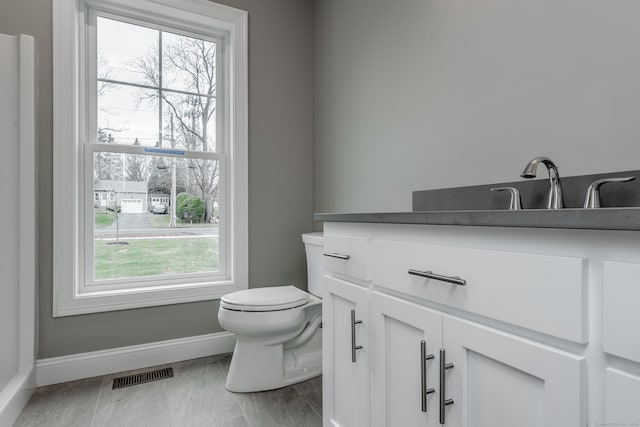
[622,391]
[500,380]
[404,333]
[345,381]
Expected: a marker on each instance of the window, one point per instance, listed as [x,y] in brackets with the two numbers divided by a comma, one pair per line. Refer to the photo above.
[150,112]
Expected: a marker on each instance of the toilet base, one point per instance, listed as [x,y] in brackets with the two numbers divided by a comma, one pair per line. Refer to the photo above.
[258,365]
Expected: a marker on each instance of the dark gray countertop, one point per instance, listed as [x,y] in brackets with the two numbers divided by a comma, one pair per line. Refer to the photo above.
[593,219]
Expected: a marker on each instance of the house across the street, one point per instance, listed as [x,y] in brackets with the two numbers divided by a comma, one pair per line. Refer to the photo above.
[130,196]
[156,199]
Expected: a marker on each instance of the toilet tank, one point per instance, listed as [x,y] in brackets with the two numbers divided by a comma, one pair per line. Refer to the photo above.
[313,245]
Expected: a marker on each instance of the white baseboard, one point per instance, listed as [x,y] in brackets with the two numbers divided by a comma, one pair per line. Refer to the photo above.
[15,395]
[86,365]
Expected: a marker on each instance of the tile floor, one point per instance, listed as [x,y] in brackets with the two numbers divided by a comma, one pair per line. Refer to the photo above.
[194,397]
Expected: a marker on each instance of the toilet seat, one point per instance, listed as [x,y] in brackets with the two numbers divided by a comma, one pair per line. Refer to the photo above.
[265,299]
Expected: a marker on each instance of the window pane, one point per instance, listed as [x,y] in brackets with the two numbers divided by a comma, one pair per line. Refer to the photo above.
[127,114]
[189,122]
[139,232]
[188,64]
[127,52]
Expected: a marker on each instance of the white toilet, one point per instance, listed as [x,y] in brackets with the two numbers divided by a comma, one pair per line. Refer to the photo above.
[278,335]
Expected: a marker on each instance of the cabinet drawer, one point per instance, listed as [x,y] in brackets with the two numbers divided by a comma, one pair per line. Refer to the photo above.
[543,293]
[347,256]
[621,296]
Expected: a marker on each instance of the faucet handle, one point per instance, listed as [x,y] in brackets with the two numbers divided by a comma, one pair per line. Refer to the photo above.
[515,204]
[592,200]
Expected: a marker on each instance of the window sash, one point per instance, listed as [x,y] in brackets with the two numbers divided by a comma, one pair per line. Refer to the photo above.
[90,57]
[174,280]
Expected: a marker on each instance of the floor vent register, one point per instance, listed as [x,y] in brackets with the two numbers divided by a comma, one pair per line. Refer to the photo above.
[144,377]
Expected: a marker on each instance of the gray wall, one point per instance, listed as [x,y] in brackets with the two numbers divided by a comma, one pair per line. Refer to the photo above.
[423,94]
[280,179]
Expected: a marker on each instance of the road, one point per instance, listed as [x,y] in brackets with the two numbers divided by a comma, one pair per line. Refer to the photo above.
[137,225]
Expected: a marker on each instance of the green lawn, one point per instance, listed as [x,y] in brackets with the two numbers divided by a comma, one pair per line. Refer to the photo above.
[104,218]
[159,256]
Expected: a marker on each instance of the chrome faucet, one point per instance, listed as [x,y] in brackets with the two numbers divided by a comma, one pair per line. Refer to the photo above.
[555,191]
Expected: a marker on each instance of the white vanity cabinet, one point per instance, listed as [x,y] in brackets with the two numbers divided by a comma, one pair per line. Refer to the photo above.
[529,328]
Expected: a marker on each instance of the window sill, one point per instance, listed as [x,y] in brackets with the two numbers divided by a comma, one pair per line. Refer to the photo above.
[125,299]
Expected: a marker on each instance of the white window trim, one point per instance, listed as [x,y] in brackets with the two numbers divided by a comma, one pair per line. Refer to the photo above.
[68,297]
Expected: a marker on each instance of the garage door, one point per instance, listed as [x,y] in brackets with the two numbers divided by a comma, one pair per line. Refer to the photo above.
[132,206]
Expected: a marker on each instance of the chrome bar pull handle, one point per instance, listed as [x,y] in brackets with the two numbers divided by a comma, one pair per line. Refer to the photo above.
[335,255]
[424,391]
[431,275]
[444,402]
[354,347]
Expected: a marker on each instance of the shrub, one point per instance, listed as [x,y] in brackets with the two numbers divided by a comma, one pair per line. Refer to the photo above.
[188,206]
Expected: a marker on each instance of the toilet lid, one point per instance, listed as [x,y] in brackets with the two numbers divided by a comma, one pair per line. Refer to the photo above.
[265,299]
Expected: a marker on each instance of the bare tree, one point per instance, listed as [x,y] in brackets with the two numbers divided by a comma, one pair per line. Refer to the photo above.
[106,166]
[104,72]
[189,65]
[137,168]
